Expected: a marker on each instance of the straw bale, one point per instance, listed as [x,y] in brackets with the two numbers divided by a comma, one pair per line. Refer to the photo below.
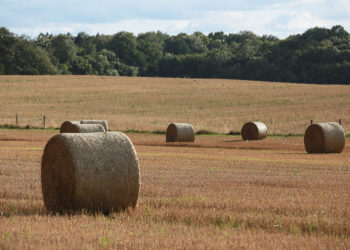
[102,122]
[66,124]
[254,131]
[324,138]
[93,171]
[85,128]
[180,132]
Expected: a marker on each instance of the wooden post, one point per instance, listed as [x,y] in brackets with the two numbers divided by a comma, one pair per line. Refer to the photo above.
[311,122]
[44,121]
[16,120]
[339,121]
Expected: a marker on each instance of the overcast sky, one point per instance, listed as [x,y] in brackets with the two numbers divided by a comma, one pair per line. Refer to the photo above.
[272,17]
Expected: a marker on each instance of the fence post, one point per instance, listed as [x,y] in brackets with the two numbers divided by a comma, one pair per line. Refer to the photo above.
[339,121]
[311,122]
[16,120]
[44,121]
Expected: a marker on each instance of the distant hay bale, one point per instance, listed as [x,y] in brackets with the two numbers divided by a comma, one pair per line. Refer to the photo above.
[254,131]
[97,171]
[324,138]
[85,128]
[180,132]
[66,124]
[102,122]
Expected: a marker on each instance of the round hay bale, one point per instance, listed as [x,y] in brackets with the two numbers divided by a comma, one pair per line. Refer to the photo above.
[96,171]
[324,138]
[254,131]
[66,124]
[102,122]
[180,132]
[85,128]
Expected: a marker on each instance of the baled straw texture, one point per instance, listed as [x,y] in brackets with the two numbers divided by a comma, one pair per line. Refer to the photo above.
[66,124]
[96,171]
[324,138]
[254,131]
[180,132]
[102,122]
[85,128]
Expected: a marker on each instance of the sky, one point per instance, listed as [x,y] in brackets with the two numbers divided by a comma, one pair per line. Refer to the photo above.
[265,17]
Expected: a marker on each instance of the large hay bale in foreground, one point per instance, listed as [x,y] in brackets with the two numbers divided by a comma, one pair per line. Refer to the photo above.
[254,131]
[102,122]
[66,124]
[324,138]
[85,128]
[96,171]
[180,132]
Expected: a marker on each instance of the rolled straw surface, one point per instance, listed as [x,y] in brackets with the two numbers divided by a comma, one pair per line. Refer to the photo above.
[324,138]
[85,128]
[102,122]
[180,132]
[95,171]
[254,131]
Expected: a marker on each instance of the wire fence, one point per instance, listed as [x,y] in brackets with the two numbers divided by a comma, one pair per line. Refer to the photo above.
[20,122]
[306,124]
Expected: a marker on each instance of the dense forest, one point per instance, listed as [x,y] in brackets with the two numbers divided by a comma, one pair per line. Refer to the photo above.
[319,55]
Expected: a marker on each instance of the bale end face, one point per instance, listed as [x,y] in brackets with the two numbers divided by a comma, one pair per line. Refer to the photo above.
[314,139]
[57,176]
[171,133]
[65,125]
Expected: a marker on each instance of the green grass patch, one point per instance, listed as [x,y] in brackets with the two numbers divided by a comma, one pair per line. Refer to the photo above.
[285,135]
[135,131]
[234,133]
[202,132]
[26,127]
[205,132]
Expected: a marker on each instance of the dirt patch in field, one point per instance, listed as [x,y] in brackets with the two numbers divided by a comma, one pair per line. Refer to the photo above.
[224,142]
[26,135]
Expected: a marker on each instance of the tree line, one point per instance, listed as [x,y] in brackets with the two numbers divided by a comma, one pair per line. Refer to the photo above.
[319,55]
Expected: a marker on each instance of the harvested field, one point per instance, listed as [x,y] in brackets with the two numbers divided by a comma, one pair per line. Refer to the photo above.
[215,193]
[150,104]
[218,192]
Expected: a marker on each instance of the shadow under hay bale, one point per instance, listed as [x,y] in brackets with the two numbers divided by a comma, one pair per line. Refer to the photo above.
[254,131]
[324,138]
[85,128]
[180,132]
[96,171]
[102,122]
[66,124]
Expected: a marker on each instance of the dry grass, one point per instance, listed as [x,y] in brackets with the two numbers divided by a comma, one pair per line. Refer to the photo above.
[219,192]
[152,103]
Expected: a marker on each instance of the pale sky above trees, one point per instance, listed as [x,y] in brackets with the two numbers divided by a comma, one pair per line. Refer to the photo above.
[279,18]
